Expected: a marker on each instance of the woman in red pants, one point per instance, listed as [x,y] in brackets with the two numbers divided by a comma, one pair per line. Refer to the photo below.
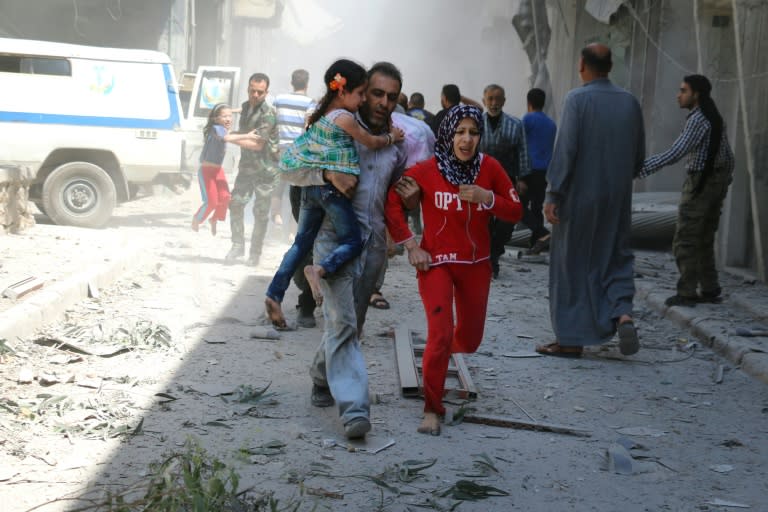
[459,190]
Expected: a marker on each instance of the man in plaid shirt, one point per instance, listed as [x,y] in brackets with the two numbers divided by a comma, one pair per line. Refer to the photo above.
[504,139]
[710,166]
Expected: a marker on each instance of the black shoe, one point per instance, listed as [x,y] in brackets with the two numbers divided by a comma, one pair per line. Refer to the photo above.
[321,396]
[495,270]
[713,297]
[306,320]
[539,247]
[681,300]
[356,428]
[235,253]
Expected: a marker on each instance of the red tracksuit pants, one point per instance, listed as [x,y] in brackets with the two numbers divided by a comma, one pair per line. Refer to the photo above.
[466,285]
[215,192]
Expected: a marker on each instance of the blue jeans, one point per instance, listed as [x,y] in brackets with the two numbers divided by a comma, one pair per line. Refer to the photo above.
[339,363]
[317,202]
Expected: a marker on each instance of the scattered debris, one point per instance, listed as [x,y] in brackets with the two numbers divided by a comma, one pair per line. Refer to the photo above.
[26,376]
[721,468]
[642,432]
[23,287]
[498,421]
[265,333]
[724,503]
[619,459]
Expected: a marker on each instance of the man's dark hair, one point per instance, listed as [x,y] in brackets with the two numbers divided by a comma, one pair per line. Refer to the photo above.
[417,100]
[599,63]
[536,98]
[700,84]
[386,69]
[259,77]
[299,79]
[452,94]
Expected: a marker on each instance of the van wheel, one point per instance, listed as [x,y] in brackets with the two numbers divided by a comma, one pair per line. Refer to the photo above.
[79,194]
[39,206]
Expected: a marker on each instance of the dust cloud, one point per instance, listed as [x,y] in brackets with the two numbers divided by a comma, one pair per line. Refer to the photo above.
[433,42]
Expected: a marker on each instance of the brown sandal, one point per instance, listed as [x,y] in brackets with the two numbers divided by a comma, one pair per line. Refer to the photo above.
[557,350]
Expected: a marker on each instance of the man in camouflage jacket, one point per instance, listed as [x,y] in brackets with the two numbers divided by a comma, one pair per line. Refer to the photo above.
[257,175]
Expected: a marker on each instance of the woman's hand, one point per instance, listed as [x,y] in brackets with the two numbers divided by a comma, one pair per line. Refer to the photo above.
[475,194]
[417,256]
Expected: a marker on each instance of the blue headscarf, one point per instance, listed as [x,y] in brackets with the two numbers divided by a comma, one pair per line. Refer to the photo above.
[453,169]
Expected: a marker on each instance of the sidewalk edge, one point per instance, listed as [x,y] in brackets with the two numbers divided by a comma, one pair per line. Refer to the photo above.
[50,303]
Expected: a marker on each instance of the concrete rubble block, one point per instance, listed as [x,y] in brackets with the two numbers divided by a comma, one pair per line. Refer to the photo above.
[756,364]
[680,315]
[15,207]
[733,350]
[23,322]
[706,330]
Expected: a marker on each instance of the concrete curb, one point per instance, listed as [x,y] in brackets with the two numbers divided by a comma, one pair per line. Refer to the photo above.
[735,349]
[50,303]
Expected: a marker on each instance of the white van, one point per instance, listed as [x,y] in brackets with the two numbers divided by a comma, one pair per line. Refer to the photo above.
[92,123]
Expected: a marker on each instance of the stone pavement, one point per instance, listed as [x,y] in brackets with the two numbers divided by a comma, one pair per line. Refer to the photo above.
[74,262]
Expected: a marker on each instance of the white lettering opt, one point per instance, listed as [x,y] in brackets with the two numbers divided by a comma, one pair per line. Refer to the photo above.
[443,201]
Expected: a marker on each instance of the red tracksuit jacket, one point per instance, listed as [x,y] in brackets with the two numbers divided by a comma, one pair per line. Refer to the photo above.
[455,231]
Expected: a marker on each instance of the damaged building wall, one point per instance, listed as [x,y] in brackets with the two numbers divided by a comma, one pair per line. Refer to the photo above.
[655,44]
[15,209]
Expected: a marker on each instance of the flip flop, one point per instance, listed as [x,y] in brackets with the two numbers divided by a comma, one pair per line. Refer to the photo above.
[557,350]
[379,302]
[628,341]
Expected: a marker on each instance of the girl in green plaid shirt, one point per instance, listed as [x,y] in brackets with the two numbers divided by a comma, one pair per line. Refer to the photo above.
[328,144]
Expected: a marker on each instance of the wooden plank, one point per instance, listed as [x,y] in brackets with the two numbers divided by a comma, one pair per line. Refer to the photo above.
[406,365]
[409,356]
[498,421]
[464,376]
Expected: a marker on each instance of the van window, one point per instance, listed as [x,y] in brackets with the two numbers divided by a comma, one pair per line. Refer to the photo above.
[34,65]
[215,87]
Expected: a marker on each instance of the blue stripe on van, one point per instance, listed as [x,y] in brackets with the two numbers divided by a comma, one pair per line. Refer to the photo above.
[173,120]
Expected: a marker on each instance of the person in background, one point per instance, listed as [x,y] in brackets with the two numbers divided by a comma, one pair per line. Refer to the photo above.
[540,133]
[459,188]
[293,109]
[213,182]
[256,175]
[419,145]
[710,167]
[599,149]
[402,104]
[416,108]
[450,96]
[505,141]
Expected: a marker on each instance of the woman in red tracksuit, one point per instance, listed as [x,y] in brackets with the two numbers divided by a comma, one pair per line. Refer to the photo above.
[459,190]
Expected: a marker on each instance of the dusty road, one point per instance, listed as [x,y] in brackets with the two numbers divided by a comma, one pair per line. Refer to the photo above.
[695,444]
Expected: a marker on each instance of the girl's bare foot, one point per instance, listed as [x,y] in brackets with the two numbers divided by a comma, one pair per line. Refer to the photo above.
[212,222]
[430,424]
[195,224]
[314,273]
[275,313]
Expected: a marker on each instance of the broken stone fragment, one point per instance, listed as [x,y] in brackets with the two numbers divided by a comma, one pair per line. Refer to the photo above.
[26,376]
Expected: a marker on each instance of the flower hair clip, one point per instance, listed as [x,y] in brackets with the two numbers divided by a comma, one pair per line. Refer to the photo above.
[338,83]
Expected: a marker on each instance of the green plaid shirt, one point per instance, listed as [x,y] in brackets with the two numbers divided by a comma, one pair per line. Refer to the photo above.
[324,146]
